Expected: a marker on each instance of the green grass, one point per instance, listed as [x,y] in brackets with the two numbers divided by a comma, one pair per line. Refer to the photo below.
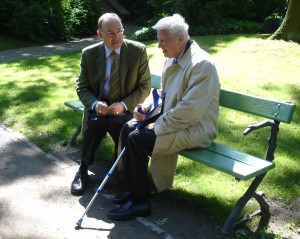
[7,43]
[32,94]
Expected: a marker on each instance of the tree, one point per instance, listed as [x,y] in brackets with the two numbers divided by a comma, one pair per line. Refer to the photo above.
[289,29]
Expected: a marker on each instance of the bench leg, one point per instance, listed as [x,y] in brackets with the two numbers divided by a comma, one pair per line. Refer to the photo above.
[264,212]
[74,135]
[231,220]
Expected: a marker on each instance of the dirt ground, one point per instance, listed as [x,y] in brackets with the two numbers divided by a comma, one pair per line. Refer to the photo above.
[35,202]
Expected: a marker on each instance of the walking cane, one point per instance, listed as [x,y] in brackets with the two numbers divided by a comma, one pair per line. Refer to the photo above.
[78,224]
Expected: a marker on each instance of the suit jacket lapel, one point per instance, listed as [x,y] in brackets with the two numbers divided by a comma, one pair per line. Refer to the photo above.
[124,58]
[100,67]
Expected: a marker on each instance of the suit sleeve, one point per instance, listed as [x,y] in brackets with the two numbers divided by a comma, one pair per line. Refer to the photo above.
[142,85]
[84,89]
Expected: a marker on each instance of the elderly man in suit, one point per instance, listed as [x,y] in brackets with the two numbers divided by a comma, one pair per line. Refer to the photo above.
[114,78]
[188,119]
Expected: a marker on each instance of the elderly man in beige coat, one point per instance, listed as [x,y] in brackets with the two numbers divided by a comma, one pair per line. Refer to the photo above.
[188,119]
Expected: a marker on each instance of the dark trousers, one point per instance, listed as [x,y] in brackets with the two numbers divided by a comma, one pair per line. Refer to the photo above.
[97,128]
[139,146]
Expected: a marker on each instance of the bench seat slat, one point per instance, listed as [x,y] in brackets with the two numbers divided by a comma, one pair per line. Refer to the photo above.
[237,168]
[75,105]
[238,156]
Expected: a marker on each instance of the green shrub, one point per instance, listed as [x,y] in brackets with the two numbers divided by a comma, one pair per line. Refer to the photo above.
[227,27]
[145,34]
[81,17]
[207,13]
[48,21]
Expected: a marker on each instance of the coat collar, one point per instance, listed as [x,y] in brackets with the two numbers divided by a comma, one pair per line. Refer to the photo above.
[185,58]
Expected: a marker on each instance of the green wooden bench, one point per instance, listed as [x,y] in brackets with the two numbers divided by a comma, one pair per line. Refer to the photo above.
[238,164]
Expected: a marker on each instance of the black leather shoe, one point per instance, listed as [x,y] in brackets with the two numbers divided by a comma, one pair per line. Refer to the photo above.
[129,211]
[79,184]
[121,198]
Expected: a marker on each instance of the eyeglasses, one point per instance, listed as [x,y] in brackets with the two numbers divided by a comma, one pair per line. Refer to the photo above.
[111,34]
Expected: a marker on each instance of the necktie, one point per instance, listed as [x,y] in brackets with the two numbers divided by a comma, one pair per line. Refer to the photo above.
[114,82]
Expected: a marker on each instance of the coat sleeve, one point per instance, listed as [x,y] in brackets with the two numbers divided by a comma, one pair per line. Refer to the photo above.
[200,89]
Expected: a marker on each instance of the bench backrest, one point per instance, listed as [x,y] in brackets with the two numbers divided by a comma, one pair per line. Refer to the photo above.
[275,110]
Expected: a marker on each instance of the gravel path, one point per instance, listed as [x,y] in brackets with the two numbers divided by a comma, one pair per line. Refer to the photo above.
[56,48]
[45,50]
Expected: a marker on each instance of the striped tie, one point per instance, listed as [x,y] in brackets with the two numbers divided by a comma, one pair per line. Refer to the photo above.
[114,83]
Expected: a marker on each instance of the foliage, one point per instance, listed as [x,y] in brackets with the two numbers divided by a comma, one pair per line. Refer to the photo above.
[203,12]
[208,18]
[226,27]
[51,20]
[46,21]
[81,16]
[146,33]
[34,20]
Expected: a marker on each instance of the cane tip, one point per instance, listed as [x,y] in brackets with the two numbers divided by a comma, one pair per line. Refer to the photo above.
[77,227]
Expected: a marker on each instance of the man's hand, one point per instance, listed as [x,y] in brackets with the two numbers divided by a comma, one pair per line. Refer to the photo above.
[116,108]
[139,113]
[101,108]
[150,126]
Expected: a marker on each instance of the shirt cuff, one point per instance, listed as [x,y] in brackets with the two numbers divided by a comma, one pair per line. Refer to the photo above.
[124,105]
[94,104]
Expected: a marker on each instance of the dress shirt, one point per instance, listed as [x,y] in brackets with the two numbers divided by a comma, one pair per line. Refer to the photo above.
[109,62]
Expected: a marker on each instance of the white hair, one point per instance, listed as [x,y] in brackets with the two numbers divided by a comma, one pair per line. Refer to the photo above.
[175,25]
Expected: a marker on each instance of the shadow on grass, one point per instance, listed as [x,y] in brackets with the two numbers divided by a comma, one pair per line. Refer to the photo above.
[213,43]
[295,95]
[52,62]
[33,98]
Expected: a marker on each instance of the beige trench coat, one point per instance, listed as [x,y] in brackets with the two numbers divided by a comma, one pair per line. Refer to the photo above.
[190,112]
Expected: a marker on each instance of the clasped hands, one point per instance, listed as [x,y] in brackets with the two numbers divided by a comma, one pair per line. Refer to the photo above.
[103,109]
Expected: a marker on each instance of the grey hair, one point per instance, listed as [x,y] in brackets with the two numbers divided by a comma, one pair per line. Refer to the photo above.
[108,15]
[175,25]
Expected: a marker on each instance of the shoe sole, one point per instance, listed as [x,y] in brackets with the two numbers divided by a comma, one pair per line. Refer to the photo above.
[76,193]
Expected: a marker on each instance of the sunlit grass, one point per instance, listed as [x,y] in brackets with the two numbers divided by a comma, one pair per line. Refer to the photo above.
[33,92]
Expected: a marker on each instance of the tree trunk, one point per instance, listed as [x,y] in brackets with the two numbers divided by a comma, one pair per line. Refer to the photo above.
[289,30]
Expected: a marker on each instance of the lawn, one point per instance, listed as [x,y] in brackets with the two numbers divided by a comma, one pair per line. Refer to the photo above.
[33,92]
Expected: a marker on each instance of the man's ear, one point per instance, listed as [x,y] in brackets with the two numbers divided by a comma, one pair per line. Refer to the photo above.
[99,33]
[181,38]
